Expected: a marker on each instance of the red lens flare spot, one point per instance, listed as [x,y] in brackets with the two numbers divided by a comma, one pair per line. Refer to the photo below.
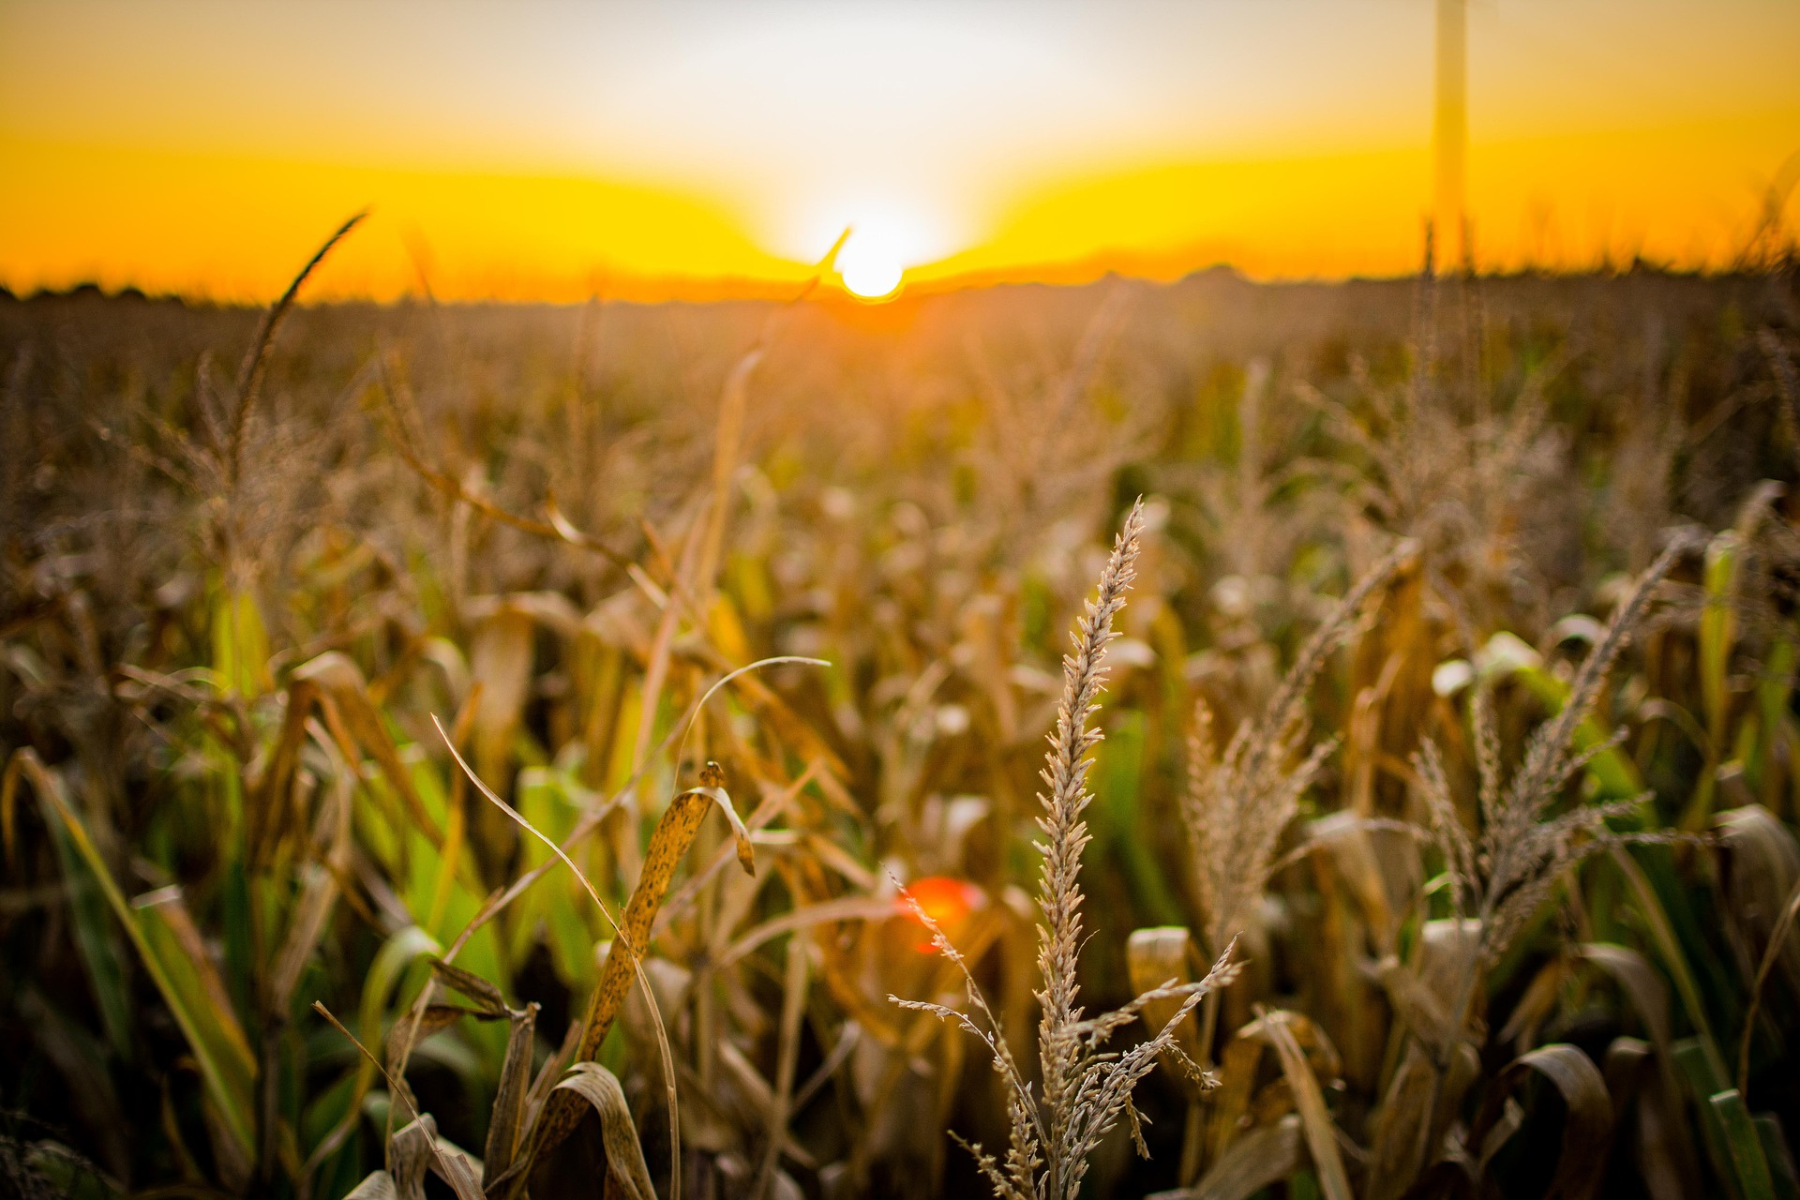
[947,901]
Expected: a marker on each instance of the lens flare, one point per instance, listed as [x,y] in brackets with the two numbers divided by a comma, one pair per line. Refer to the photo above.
[948,902]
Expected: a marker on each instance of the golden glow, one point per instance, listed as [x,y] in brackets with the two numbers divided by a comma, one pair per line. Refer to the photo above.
[648,151]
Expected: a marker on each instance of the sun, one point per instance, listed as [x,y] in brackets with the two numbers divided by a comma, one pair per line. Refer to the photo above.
[869,264]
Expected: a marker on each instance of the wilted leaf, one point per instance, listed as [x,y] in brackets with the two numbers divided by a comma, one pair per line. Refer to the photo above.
[1353,857]
[1258,1159]
[471,985]
[1587,1134]
[409,1156]
[345,696]
[624,1156]
[1648,994]
[417,1148]
[1230,1101]
[1626,1060]
[1762,870]
[506,1127]
[1538,1002]
[1421,1008]
[712,786]
[1321,1134]
[500,660]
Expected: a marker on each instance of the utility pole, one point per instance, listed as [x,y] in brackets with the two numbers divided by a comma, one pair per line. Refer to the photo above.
[1450,134]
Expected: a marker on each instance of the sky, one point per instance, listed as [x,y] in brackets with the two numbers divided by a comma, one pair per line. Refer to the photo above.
[557,150]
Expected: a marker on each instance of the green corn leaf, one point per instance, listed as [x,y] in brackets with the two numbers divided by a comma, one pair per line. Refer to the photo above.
[1744,1145]
[212,1032]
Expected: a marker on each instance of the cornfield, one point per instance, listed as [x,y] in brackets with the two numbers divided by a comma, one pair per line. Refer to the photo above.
[505,751]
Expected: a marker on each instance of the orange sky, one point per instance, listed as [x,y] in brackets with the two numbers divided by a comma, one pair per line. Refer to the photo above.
[551,150]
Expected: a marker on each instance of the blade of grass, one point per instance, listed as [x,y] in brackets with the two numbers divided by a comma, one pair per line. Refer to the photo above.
[1746,1147]
[228,1075]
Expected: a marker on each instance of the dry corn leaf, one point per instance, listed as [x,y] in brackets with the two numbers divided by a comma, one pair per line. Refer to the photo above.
[1512,1119]
[415,1149]
[1155,958]
[746,853]
[506,1125]
[1353,857]
[1587,1132]
[1648,994]
[1627,1060]
[267,812]
[1401,1123]
[1535,1006]
[1278,1029]
[1231,1100]
[1635,1078]
[377,1185]
[1257,1159]
[454,1168]
[409,1156]
[471,985]
[1445,949]
[500,660]
[1419,1006]
[624,1156]
[1762,871]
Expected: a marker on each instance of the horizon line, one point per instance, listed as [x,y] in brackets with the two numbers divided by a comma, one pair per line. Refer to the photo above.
[651,290]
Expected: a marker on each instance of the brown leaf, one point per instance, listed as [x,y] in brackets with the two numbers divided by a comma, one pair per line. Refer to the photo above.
[346,696]
[500,660]
[1237,1076]
[712,785]
[409,1155]
[377,1185]
[1642,985]
[624,1156]
[417,1148]
[1423,1010]
[471,985]
[506,1127]
[1762,864]
[1277,1028]
[1587,1133]
[1400,1125]
[1258,1159]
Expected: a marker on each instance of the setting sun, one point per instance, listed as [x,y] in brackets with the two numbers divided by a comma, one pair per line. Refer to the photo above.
[869,265]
